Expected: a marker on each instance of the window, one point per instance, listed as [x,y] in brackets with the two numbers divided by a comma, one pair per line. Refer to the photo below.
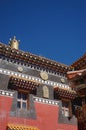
[22,100]
[65,112]
[65,108]
[45,92]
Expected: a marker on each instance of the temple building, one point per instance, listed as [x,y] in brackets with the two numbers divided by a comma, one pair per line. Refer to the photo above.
[37,93]
[77,81]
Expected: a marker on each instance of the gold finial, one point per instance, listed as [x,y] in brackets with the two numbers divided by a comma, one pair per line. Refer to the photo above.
[14,43]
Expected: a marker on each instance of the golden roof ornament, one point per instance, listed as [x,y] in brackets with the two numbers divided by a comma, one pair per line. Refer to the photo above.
[14,43]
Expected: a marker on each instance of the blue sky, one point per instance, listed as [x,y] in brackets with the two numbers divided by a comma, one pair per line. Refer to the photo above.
[55,29]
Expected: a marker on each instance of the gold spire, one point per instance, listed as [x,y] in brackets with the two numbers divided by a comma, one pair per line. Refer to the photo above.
[14,43]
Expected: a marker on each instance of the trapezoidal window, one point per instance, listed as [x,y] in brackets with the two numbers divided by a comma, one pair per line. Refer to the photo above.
[22,100]
[45,92]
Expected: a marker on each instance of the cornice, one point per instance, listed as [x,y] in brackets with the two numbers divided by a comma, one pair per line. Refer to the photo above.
[80,63]
[32,59]
[33,78]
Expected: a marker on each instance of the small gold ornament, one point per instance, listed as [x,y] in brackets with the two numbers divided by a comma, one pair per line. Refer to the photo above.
[62,80]
[44,75]
[20,68]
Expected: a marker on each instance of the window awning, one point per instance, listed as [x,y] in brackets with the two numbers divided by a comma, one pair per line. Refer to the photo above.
[20,127]
[64,93]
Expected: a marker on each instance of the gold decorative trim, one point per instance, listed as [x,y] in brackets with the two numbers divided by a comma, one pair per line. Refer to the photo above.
[20,127]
